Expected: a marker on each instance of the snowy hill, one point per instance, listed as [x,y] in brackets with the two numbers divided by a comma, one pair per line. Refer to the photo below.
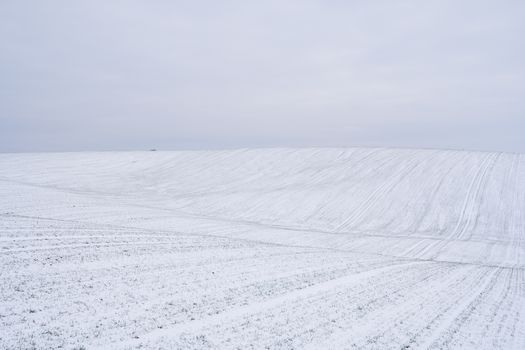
[391,248]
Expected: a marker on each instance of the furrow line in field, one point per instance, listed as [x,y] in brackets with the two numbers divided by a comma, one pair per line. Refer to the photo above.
[449,319]
[374,196]
[241,312]
[377,328]
[437,247]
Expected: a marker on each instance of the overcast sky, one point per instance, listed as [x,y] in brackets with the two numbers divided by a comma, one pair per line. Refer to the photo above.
[125,75]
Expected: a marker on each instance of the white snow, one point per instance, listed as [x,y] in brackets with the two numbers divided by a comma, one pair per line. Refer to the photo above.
[271,248]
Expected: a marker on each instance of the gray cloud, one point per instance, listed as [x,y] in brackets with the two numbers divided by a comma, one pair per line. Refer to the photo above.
[101,75]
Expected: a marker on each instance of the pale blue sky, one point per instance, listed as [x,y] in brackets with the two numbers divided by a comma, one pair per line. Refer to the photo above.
[124,75]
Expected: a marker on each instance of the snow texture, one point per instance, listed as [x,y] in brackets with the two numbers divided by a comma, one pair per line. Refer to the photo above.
[263,249]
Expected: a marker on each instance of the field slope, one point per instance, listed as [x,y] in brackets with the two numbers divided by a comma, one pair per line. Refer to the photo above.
[272,248]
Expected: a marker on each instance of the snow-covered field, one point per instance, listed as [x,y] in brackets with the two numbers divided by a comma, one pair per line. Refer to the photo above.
[264,249]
